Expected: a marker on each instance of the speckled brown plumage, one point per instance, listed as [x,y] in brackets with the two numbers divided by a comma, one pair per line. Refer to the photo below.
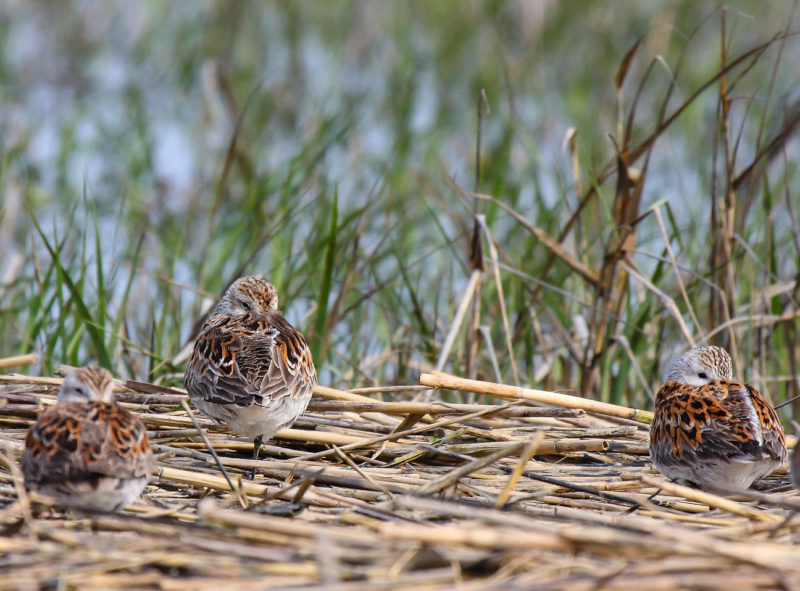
[77,440]
[85,450]
[250,368]
[710,431]
[251,359]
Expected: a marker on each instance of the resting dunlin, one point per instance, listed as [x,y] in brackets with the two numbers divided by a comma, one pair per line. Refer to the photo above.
[250,368]
[85,451]
[711,432]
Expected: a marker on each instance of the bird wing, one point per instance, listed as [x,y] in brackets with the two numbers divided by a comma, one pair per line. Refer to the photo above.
[773,440]
[292,370]
[219,371]
[77,441]
[723,419]
[249,360]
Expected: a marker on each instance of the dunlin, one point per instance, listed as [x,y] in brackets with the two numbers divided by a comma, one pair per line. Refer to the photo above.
[86,451]
[711,432]
[250,368]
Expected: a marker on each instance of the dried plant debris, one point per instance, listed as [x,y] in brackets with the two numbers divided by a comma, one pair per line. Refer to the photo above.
[381,493]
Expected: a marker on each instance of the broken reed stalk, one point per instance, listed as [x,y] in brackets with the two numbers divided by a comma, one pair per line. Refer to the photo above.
[319,391]
[245,487]
[334,394]
[455,475]
[435,408]
[518,393]
[343,456]
[389,439]
[550,446]
[18,360]
[205,480]
[211,450]
[322,437]
[455,326]
[709,499]
[542,478]
[387,389]
[475,536]
[12,378]
[481,219]
[209,510]
[530,450]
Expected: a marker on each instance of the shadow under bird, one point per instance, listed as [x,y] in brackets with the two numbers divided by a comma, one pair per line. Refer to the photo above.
[86,451]
[250,368]
[711,432]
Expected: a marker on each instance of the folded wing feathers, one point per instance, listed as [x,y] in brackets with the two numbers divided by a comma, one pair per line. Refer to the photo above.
[75,441]
[722,419]
[251,361]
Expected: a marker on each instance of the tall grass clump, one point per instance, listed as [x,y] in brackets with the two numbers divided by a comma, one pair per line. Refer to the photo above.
[555,194]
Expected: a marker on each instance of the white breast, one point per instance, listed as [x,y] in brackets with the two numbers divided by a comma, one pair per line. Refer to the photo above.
[254,420]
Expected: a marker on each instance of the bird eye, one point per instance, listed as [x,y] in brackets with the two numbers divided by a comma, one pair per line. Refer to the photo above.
[246,305]
[702,375]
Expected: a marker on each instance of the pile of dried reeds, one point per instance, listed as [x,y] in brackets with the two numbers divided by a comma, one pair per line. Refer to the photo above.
[537,491]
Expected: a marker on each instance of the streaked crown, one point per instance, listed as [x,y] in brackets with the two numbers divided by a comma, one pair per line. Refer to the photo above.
[248,295]
[87,383]
[700,366]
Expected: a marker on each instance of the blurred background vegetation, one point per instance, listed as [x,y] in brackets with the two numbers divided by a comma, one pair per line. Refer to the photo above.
[636,164]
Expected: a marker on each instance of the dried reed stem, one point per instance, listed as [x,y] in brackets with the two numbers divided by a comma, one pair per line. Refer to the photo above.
[18,360]
[516,393]
[709,499]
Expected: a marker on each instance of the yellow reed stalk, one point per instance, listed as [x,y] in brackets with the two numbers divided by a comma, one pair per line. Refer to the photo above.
[516,393]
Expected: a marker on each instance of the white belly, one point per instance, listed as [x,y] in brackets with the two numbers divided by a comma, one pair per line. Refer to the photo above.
[721,476]
[104,495]
[255,419]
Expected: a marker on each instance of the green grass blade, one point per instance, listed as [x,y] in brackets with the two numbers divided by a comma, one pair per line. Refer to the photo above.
[320,336]
[82,310]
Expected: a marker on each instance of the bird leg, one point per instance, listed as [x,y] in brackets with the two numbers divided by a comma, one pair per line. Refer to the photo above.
[256,448]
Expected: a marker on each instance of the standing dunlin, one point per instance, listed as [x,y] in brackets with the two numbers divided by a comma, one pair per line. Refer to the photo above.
[250,368]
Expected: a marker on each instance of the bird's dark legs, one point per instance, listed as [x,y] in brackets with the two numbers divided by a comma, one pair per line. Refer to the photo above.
[256,449]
